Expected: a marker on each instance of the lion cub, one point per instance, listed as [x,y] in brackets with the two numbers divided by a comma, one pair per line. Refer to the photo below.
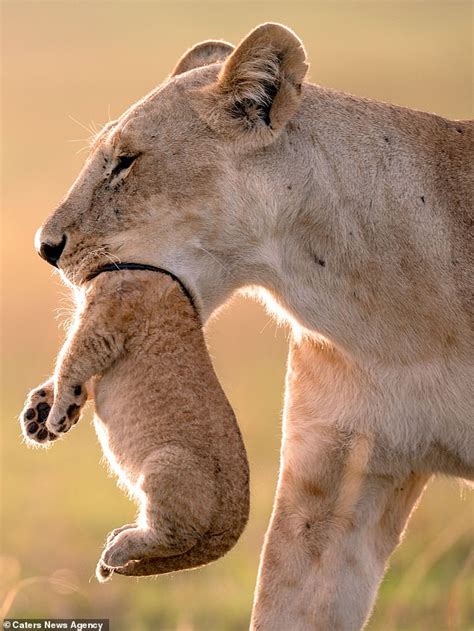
[164,423]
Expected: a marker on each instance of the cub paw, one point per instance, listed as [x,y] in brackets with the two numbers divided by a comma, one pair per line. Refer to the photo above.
[113,533]
[66,409]
[34,415]
[104,571]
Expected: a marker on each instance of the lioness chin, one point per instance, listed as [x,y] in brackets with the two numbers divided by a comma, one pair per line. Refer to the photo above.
[353,220]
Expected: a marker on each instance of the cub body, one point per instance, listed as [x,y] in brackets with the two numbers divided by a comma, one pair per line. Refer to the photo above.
[164,423]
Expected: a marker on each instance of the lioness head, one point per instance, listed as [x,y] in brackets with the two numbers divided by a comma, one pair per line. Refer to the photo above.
[178,181]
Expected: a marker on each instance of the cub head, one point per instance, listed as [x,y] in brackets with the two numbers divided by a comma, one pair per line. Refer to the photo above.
[170,183]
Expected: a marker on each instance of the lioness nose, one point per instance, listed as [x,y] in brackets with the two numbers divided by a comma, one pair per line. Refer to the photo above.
[52,252]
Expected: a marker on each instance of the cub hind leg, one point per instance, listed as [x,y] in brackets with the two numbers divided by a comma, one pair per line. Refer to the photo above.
[177,502]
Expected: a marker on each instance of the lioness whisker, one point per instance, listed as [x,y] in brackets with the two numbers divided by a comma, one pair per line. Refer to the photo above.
[215,259]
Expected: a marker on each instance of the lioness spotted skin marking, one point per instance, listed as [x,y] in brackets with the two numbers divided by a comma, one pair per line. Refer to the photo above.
[352,220]
[165,425]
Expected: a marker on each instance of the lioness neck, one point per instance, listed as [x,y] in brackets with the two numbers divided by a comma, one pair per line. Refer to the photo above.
[357,226]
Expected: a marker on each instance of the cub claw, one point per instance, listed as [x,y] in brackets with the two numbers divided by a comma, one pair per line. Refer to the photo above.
[102,572]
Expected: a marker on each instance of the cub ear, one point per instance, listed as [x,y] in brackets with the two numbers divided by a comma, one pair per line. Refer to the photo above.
[203,54]
[259,86]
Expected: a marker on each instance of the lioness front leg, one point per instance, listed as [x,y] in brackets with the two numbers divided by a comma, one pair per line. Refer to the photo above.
[336,518]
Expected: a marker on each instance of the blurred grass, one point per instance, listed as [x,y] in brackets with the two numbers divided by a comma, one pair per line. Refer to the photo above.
[85,59]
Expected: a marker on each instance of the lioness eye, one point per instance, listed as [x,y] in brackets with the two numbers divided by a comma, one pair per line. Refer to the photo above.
[123,162]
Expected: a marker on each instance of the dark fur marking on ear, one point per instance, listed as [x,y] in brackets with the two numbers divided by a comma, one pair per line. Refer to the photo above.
[238,109]
[271,90]
[252,110]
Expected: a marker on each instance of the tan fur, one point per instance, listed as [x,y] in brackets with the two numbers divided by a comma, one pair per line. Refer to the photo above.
[352,220]
[165,425]
[202,55]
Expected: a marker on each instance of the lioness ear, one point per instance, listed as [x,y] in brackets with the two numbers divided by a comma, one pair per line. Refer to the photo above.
[259,86]
[203,54]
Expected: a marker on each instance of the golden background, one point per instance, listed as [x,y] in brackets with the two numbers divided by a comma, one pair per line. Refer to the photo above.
[89,61]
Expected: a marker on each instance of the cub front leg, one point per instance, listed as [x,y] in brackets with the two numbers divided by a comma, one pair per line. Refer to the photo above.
[89,350]
[93,343]
[337,515]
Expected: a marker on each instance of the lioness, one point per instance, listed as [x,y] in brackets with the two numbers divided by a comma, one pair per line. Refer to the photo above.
[353,220]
